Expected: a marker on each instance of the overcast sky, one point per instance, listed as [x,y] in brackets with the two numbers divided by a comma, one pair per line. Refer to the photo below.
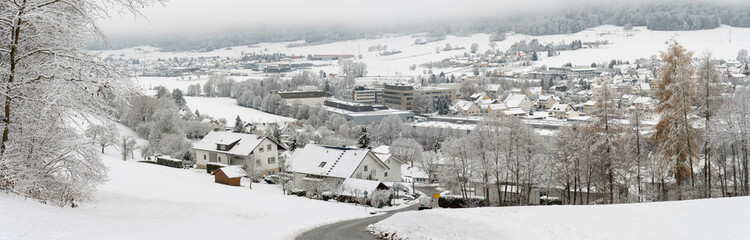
[199,15]
[185,16]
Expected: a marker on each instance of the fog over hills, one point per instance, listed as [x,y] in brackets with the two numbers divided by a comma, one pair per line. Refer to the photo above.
[207,25]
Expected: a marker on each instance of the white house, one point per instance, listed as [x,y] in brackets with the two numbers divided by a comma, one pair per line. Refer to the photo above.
[394,163]
[562,111]
[335,164]
[521,101]
[467,108]
[231,148]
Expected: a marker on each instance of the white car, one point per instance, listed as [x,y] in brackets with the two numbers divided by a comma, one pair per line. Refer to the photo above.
[425,203]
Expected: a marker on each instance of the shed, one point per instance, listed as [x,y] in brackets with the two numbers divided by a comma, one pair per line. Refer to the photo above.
[229,175]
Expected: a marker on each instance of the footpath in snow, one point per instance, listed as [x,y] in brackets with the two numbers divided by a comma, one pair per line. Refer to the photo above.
[725,218]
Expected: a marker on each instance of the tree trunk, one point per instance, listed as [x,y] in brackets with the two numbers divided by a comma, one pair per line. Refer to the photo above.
[16,32]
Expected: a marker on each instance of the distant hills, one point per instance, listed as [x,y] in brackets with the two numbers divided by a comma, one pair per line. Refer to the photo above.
[572,19]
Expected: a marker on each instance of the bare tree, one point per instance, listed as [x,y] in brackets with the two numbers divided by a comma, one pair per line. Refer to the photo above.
[44,68]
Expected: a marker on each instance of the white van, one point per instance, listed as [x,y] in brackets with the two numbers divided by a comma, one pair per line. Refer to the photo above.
[425,203]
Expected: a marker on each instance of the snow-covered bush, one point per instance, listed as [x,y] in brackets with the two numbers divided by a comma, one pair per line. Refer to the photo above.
[380,198]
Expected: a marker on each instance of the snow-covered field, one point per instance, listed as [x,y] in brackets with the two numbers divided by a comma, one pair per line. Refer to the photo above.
[147,201]
[697,219]
[724,42]
[228,109]
[170,83]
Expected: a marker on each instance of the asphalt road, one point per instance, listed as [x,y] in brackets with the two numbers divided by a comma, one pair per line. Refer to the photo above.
[355,229]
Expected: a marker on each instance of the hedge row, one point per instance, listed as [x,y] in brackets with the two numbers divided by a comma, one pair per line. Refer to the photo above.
[168,162]
[212,167]
[454,202]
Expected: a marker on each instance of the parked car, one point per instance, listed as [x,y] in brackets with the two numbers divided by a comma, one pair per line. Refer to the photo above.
[425,203]
[272,179]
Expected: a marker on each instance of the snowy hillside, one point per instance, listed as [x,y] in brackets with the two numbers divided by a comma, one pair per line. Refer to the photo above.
[228,109]
[724,42]
[147,201]
[696,219]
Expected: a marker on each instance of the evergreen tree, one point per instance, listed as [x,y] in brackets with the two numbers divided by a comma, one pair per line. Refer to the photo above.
[534,57]
[239,125]
[364,140]
[162,92]
[442,105]
[178,98]
[293,144]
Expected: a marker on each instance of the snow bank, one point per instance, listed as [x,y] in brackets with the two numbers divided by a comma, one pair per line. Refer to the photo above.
[148,201]
[698,219]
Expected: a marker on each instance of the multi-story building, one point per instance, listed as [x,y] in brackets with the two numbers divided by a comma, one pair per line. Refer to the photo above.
[310,98]
[402,96]
[367,95]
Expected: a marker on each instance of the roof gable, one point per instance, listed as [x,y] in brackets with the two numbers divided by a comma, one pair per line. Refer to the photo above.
[328,161]
[241,144]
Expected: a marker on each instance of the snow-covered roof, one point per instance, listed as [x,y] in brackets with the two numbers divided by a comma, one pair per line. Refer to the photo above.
[463,105]
[493,87]
[382,149]
[535,90]
[338,162]
[486,101]
[643,100]
[244,146]
[413,172]
[233,171]
[514,111]
[498,106]
[644,86]
[385,157]
[352,184]
[477,95]
[514,100]
[559,107]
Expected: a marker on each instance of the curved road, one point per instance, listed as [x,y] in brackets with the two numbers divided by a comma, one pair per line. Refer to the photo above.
[355,229]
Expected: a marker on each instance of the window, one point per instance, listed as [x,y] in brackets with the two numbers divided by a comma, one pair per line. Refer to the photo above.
[219,159]
[204,156]
[359,175]
[385,174]
[269,147]
[322,164]
[260,149]
[271,160]
[257,162]
[365,169]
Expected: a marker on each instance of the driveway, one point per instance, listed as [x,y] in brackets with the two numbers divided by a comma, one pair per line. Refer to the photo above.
[355,229]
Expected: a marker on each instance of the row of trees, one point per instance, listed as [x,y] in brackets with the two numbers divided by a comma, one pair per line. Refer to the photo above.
[615,158]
